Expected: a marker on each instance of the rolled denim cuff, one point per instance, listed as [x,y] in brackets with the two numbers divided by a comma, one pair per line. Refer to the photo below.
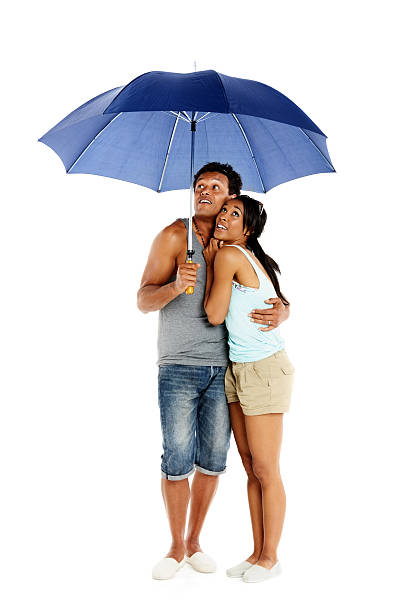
[181,477]
[209,472]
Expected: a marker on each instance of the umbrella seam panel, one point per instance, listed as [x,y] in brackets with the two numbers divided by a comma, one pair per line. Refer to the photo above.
[224,92]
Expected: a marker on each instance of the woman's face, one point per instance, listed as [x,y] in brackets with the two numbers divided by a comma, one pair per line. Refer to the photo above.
[229,224]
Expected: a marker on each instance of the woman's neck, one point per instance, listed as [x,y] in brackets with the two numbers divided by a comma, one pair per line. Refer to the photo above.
[242,242]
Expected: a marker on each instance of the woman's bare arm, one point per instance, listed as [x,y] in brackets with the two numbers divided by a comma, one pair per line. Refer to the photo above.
[220,272]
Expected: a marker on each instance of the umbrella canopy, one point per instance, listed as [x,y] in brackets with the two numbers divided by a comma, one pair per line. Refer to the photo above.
[159,128]
[142,132]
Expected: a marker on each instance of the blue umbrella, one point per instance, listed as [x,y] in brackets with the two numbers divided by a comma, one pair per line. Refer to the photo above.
[156,130]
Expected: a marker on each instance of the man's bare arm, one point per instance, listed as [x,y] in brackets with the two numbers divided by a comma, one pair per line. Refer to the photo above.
[272,317]
[155,291]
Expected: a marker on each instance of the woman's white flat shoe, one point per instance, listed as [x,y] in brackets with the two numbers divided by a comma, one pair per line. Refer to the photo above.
[239,570]
[166,568]
[257,573]
[202,563]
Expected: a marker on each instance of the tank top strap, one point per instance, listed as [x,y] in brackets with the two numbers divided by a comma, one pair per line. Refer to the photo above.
[257,269]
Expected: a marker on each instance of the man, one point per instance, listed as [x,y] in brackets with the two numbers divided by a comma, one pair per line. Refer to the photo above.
[193,357]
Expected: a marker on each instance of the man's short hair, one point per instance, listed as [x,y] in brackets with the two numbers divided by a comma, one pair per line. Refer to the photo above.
[234,179]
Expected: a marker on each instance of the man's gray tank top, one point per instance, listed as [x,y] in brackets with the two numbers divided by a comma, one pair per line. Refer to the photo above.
[185,335]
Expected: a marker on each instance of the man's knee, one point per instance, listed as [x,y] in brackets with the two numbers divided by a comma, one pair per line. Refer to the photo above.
[246,459]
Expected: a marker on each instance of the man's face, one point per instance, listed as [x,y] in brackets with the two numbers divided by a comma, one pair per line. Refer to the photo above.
[211,192]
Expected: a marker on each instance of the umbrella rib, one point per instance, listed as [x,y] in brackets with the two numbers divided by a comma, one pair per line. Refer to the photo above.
[316,147]
[250,150]
[92,141]
[168,151]
[177,115]
[202,118]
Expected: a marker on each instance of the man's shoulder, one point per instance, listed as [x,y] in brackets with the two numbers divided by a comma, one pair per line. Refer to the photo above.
[175,231]
[177,227]
[173,235]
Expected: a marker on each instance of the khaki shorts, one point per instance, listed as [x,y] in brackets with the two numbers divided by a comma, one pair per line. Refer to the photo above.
[262,386]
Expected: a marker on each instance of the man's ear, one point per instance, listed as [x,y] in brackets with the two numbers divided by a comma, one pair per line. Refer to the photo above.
[233,195]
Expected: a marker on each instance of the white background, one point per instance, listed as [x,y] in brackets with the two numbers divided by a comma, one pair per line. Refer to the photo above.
[82,516]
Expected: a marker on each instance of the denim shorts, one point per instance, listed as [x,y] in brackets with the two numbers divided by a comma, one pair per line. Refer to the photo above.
[195,420]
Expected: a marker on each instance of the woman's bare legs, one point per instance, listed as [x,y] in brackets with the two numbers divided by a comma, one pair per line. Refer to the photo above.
[254,486]
[264,435]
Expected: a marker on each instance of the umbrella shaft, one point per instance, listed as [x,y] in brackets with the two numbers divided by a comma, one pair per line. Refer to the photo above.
[190,228]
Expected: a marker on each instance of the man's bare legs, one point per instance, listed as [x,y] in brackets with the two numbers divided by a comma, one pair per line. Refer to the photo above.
[203,489]
[176,496]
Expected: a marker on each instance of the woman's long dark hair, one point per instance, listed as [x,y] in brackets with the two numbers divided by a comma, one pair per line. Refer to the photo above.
[254,219]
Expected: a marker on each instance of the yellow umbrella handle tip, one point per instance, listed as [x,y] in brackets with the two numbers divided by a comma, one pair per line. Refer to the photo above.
[189,290]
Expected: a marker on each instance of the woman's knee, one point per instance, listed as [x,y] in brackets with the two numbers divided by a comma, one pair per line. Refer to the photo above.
[266,471]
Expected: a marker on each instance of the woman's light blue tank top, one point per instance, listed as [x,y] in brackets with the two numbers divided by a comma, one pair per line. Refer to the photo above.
[246,341]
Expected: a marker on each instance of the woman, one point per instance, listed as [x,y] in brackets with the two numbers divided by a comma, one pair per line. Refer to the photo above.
[258,381]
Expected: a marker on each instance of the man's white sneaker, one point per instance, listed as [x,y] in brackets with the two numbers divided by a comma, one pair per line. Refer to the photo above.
[238,570]
[166,568]
[202,563]
[257,573]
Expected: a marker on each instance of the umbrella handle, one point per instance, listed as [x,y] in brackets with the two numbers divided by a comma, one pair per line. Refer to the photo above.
[189,290]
